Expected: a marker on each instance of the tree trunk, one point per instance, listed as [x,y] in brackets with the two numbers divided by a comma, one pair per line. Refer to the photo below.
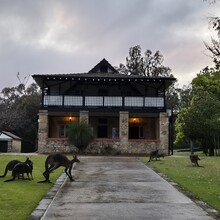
[211,150]
[191,147]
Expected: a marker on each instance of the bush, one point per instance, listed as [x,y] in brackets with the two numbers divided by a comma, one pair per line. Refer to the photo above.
[80,135]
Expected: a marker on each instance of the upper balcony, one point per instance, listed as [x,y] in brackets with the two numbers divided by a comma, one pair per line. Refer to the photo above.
[100,102]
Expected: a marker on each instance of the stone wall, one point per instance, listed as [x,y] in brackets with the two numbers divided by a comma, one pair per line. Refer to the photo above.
[42,130]
[54,146]
[117,148]
[106,147]
[121,146]
[164,132]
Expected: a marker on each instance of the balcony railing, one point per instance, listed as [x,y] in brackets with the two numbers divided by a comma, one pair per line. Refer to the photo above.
[103,101]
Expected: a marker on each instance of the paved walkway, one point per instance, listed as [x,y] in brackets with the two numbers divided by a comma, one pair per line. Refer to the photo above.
[116,188]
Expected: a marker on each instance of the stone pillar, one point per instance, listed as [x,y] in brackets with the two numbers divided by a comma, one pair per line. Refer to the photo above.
[123,127]
[164,132]
[84,117]
[42,130]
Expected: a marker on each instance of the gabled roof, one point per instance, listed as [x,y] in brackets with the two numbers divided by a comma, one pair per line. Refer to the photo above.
[9,134]
[103,67]
[103,70]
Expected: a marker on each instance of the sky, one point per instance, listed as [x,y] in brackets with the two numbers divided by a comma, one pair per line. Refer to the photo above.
[72,36]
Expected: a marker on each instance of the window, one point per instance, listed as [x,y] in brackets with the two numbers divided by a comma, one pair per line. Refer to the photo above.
[102,128]
[115,133]
[63,131]
[136,132]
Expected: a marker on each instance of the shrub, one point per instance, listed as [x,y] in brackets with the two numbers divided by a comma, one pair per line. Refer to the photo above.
[80,135]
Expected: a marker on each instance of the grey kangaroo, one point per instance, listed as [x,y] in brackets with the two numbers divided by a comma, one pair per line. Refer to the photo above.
[194,159]
[11,164]
[20,169]
[152,155]
[155,154]
[55,161]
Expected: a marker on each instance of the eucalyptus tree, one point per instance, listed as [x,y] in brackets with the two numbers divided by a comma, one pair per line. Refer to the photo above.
[150,64]
[200,121]
[19,108]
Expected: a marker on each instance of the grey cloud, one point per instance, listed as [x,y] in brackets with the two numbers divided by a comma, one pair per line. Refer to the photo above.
[72,36]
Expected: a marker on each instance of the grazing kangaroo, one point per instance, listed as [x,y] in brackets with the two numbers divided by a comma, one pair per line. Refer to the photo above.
[20,169]
[194,159]
[155,154]
[55,161]
[152,155]
[11,164]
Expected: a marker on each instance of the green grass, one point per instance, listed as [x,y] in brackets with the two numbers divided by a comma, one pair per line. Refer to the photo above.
[20,197]
[204,183]
[176,153]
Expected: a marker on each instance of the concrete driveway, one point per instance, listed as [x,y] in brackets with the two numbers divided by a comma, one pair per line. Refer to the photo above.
[119,188]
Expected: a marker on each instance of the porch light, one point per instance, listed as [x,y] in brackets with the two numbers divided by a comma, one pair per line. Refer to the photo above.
[70,119]
[134,120]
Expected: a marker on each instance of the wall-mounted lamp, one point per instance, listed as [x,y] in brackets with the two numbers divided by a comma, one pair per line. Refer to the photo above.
[70,119]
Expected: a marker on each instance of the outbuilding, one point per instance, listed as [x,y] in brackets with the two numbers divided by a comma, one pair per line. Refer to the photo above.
[9,142]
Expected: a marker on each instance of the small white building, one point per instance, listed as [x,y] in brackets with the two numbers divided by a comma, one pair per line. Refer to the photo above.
[9,142]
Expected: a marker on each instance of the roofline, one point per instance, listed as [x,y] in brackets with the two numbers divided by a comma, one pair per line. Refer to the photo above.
[86,75]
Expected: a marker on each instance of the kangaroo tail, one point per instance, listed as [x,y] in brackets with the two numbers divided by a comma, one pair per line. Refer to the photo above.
[6,170]
[10,180]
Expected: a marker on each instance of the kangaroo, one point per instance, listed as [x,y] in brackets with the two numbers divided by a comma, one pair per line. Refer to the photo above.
[152,155]
[55,161]
[194,159]
[20,169]
[11,164]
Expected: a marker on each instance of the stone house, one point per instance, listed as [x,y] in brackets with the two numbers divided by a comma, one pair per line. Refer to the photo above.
[127,113]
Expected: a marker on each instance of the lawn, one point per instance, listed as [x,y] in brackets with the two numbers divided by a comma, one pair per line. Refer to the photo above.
[203,182]
[19,198]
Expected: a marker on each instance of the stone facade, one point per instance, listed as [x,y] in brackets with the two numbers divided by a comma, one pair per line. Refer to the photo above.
[111,146]
[42,131]
[164,133]
[84,117]
[123,127]
[118,148]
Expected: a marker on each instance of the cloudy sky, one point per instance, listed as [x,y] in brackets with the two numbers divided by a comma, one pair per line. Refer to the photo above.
[70,36]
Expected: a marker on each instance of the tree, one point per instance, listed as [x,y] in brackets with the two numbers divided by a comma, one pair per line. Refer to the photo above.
[178,98]
[134,62]
[214,46]
[200,120]
[80,135]
[148,65]
[19,108]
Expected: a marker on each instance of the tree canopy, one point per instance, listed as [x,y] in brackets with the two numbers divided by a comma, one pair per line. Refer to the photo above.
[214,45]
[150,64]
[19,108]
[200,121]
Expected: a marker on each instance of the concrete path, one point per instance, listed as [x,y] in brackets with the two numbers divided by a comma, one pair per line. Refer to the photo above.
[116,188]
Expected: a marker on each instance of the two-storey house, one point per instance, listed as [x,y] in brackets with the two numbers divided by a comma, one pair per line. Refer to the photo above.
[127,113]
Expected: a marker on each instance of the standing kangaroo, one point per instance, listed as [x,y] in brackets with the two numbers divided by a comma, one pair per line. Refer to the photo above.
[194,159]
[11,164]
[55,161]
